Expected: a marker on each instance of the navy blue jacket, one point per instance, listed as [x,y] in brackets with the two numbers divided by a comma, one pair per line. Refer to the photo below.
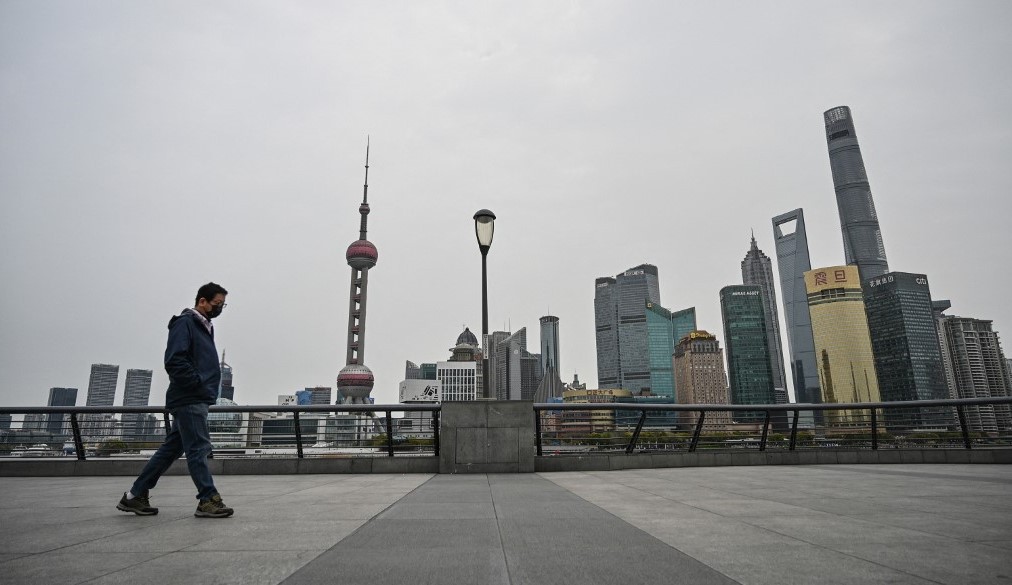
[191,360]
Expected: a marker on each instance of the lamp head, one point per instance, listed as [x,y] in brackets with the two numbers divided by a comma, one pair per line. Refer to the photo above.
[484,227]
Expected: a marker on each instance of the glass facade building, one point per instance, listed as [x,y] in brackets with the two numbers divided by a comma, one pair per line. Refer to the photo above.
[102,385]
[791,241]
[621,328]
[757,269]
[549,344]
[904,338]
[58,424]
[842,341]
[750,379]
[664,330]
[862,238]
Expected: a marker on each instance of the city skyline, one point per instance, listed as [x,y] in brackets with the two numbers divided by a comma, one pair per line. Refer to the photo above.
[554,117]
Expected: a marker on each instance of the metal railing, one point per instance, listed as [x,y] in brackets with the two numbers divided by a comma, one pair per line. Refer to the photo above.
[569,428]
[236,431]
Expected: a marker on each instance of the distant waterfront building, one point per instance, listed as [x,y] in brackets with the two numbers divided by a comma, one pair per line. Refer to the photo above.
[549,343]
[288,400]
[975,362]
[664,330]
[58,424]
[411,370]
[698,364]
[757,269]
[136,393]
[842,340]
[623,358]
[226,390]
[582,422]
[514,372]
[320,395]
[5,421]
[793,261]
[102,385]
[456,379]
[862,238]
[750,378]
[904,338]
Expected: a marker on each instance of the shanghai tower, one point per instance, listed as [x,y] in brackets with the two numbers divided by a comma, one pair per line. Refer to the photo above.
[355,381]
[862,238]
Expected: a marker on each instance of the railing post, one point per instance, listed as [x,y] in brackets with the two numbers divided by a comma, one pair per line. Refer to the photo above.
[962,426]
[168,425]
[537,430]
[636,434]
[874,430]
[435,431]
[766,430]
[298,434]
[699,429]
[390,434]
[794,430]
[78,443]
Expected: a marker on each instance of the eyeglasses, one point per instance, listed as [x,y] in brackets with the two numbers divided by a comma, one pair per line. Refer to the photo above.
[221,306]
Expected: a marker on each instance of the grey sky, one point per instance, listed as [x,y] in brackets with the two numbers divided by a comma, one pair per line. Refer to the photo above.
[148,147]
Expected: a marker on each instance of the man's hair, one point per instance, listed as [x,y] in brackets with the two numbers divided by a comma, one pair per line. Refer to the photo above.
[209,291]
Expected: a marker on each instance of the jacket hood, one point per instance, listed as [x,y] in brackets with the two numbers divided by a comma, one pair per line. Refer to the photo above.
[186,313]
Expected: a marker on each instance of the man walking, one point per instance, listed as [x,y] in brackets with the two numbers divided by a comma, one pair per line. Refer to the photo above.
[191,360]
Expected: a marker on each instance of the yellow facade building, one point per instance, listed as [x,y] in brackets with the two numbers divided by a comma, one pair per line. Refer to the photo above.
[843,349]
[592,421]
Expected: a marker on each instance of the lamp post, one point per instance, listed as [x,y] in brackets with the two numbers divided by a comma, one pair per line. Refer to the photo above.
[484,226]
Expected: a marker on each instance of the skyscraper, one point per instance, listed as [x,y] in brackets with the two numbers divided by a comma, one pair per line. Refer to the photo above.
[757,269]
[862,238]
[60,424]
[136,393]
[842,341]
[355,381]
[549,343]
[793,261]
[621,326]
[698,364]
[975,361]
[102,385]
[226,390]
[908,359]
[664,330]
[515,372]
[750,379]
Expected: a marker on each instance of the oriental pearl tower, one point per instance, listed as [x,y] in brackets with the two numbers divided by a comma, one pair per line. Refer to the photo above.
[356,380]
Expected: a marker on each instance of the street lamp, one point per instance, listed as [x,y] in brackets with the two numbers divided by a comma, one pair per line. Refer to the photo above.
[484,226]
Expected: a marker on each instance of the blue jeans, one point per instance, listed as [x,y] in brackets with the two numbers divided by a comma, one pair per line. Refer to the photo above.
[189,434]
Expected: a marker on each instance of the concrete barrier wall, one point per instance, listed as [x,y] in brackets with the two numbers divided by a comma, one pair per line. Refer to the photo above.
[431,464]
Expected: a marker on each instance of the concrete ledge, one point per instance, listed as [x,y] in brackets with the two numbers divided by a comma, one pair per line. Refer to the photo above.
[285,466]
[66,467]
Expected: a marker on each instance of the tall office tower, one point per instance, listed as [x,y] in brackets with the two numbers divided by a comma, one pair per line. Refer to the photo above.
[549,343]
[60,424]
[102,385]
[842,340]
[757,269]
[226,390]
[938,309]
[978,367]
[515,372]
[792,262]
[750,378]
[355,381]
[491,342]
[699,375]
[5,421]
[136,393]
[664,330]
[621,325]
[908,358]
[411,370]
[862,238]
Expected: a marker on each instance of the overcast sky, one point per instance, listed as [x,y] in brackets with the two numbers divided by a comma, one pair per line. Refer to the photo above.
[149,147]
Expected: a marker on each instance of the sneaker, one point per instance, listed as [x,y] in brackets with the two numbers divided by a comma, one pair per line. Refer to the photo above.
[139,505]
[213,508]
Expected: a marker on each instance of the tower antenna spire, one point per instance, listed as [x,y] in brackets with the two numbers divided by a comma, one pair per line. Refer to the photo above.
[364,208]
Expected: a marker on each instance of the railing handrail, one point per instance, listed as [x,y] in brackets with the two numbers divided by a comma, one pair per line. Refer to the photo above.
[222,408]
[771,407]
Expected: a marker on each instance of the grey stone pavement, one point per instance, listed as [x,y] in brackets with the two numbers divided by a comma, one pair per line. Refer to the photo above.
[702,525]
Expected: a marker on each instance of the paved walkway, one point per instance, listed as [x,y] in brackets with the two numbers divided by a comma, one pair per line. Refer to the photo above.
[750,525]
